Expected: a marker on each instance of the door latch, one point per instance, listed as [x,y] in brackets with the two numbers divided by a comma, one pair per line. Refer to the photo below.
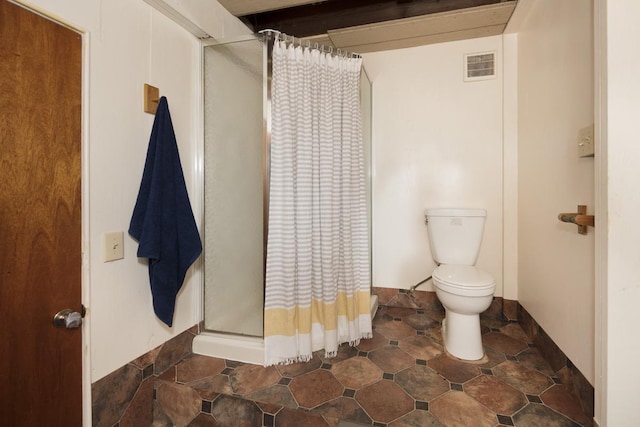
[68,319]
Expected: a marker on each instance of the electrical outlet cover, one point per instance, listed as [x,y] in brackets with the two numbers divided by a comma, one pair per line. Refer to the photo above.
[113,246]
[585,142]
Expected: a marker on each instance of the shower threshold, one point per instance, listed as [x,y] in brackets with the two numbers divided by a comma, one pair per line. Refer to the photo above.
[239,347]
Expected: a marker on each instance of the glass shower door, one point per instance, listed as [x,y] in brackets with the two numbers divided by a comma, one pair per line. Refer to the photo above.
[234,187]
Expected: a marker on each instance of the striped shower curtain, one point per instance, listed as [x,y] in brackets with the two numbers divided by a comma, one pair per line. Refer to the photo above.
[317,276]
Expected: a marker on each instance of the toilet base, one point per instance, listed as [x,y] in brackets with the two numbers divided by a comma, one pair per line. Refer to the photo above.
[462,337]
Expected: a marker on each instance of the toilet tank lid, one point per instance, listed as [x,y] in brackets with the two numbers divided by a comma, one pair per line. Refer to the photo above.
[455,212]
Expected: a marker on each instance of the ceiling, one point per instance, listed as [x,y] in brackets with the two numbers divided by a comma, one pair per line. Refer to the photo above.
[374,25]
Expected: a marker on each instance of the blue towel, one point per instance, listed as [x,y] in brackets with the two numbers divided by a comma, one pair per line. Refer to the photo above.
[162,220]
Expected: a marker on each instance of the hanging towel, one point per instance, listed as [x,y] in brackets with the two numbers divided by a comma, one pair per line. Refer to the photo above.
[162,219]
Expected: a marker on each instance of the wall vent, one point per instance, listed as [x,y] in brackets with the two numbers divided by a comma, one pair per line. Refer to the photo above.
[479,66]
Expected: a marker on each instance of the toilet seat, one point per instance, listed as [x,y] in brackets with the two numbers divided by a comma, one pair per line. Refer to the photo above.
[463,279]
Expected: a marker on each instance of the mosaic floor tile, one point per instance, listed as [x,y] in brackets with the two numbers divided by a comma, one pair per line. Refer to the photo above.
[344,423]
[395,330]
[494,356]
[208,388]
[315,388]
[391,359]
[417,418]
[559,398]
[557,360]
[173,351]
[503,343]
[160,419]
[385,295]
[344,408]
[428,301]
[269,408]
[522,378]
[112,394]
[168,375]
[454,370]
[435,334]
[356,372]
[421,321]
[421,347]
[377,341]
[296,369]
[501,398]
[140,410]
[404,300]
[532,358]
[536,414]
[204,420]
[457,409]
[197,367]
[179,402]
[147,359]
[384,401]
[296,418]
[516,332]
[345,351]
[250,378]
[276,394]
[400,378]
[422,382]
[400,312]
[233,411]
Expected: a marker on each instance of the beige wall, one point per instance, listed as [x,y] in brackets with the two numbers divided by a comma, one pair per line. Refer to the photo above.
[555,100]
[437,142]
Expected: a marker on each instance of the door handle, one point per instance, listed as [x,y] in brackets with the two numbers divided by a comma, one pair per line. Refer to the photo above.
[68,319]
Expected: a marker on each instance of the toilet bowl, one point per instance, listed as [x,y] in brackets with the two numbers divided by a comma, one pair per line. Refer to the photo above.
[465,291]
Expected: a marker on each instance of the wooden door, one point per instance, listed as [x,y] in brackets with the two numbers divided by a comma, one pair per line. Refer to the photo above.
[40,219]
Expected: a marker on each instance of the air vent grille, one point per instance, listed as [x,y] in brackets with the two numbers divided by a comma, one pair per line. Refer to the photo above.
[479,66]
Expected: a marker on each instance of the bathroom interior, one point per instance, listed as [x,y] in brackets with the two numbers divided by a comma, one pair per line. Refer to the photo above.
[506,144]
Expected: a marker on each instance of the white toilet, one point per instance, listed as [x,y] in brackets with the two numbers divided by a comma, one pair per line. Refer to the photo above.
[464,290]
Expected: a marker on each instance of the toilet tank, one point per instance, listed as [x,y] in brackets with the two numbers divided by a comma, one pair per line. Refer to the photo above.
[455,234]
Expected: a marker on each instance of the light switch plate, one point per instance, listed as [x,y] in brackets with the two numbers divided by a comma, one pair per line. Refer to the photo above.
[586,142]
[113,246]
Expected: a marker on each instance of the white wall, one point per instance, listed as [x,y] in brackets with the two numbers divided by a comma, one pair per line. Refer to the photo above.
[555,100]
[619,286]
[128,44]
[437,142]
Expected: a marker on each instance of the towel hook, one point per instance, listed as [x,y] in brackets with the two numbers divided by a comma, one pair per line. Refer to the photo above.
[151,98]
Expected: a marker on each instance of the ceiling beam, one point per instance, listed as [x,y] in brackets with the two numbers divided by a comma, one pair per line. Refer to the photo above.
[246,7]
[451,36]
[435,28]
[319,18]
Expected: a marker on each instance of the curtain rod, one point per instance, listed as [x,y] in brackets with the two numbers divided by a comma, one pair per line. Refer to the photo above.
[300,42]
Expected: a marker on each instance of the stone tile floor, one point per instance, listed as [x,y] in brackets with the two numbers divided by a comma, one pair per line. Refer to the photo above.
[399,378]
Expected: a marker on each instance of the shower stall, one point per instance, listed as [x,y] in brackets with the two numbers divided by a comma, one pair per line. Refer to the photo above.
[237,114]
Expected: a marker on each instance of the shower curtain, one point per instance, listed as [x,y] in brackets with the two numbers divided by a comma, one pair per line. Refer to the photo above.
[317,287]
